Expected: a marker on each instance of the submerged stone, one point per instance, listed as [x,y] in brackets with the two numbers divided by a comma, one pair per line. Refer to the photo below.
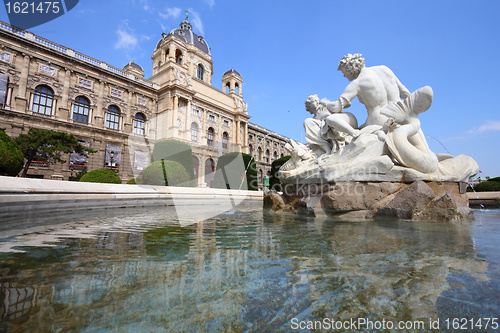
[365,200]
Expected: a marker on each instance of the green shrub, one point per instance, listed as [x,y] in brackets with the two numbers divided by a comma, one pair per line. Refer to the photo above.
[274,182]
[230,171]
[488,186]
[135,181]
[11,157]
[101,176]
[173,150]
[165,173]
[78,175]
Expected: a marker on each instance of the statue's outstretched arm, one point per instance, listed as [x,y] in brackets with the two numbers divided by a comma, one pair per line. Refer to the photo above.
[344,101]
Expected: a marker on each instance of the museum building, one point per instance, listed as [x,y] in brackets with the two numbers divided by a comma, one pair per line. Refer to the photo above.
[121,114]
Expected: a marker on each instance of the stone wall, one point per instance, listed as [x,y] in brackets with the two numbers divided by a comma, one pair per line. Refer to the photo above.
[365,200]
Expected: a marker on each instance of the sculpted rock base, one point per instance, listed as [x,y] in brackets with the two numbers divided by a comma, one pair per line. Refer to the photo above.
[438,201]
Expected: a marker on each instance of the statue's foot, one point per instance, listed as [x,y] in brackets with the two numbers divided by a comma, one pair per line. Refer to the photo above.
[356,133]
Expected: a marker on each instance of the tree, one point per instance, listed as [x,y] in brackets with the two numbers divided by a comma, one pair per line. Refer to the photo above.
[173,150]
[233,168]
[48,144]
[274,182]
[11,157]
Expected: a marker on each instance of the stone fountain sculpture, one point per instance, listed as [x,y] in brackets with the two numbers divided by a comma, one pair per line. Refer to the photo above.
[387,159]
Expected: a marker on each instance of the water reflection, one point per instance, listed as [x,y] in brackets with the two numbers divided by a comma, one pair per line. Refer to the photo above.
[248,271]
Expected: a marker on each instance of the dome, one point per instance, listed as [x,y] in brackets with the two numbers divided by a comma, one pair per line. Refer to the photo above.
[186,34]
[231,71]
[134,65]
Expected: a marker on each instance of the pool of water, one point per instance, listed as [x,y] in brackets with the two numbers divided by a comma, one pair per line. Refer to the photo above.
[247,271]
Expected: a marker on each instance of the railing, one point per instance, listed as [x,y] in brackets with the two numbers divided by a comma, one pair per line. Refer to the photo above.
[69,52]
[50,44]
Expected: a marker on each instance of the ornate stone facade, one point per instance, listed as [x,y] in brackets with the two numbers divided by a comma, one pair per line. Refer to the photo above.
[117,111]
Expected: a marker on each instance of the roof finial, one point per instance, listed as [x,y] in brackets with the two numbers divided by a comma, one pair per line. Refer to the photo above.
[187,15]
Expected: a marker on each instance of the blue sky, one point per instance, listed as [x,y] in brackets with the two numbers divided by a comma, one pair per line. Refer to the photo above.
[287,50]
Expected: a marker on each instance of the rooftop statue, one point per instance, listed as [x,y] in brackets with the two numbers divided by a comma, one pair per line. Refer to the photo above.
[389,146]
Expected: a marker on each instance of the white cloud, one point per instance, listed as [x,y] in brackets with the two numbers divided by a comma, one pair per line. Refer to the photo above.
[491,125]
[196,21]
[488,126]
[173,12]
[211,3]
[125,40]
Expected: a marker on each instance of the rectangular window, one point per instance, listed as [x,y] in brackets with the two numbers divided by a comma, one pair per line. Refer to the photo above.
[116,93]
[6,57]
[78,162]
[140,160]
[112,120]
[211,117]
[85,83]
[47,70]
[142,101]
[226,123]
[113,157]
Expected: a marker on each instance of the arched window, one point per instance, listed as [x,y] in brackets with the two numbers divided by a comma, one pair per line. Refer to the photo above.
[43,99]
[237,89]
[260,154]
[228,88]
[275,155]
[81,109]
[113,117]
[210,136]
[194,132]
[200,72]
[259,179]
[268,155]
[209,172]
[225,139]
[282,155]
[178,57]
[250,148]
[139,123]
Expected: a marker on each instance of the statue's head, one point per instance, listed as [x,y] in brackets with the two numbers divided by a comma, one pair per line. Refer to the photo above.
[351,65]
[312,104]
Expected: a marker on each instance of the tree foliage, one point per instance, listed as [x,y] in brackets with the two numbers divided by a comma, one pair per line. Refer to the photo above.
[166,173]
[48,144]
[11,157]
[180,152]
[101,176]
[232,168]
[274,182]
[488,186]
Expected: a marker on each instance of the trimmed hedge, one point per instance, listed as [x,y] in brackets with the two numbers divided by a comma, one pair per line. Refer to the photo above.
[274,182]
[11,156]
[166,173]
[135,181]
[230,170]
[173,150]
[488,186]
[101,176]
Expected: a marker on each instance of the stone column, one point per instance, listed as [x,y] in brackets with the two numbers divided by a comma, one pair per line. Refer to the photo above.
[99,116]
[238,126]
[174,115]
[64,108]
[21,98]
[127,118]
[204,129]
[219,128]
[245,136]
[187,125]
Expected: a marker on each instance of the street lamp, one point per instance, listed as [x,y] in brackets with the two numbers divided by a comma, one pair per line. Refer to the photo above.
[111,157]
